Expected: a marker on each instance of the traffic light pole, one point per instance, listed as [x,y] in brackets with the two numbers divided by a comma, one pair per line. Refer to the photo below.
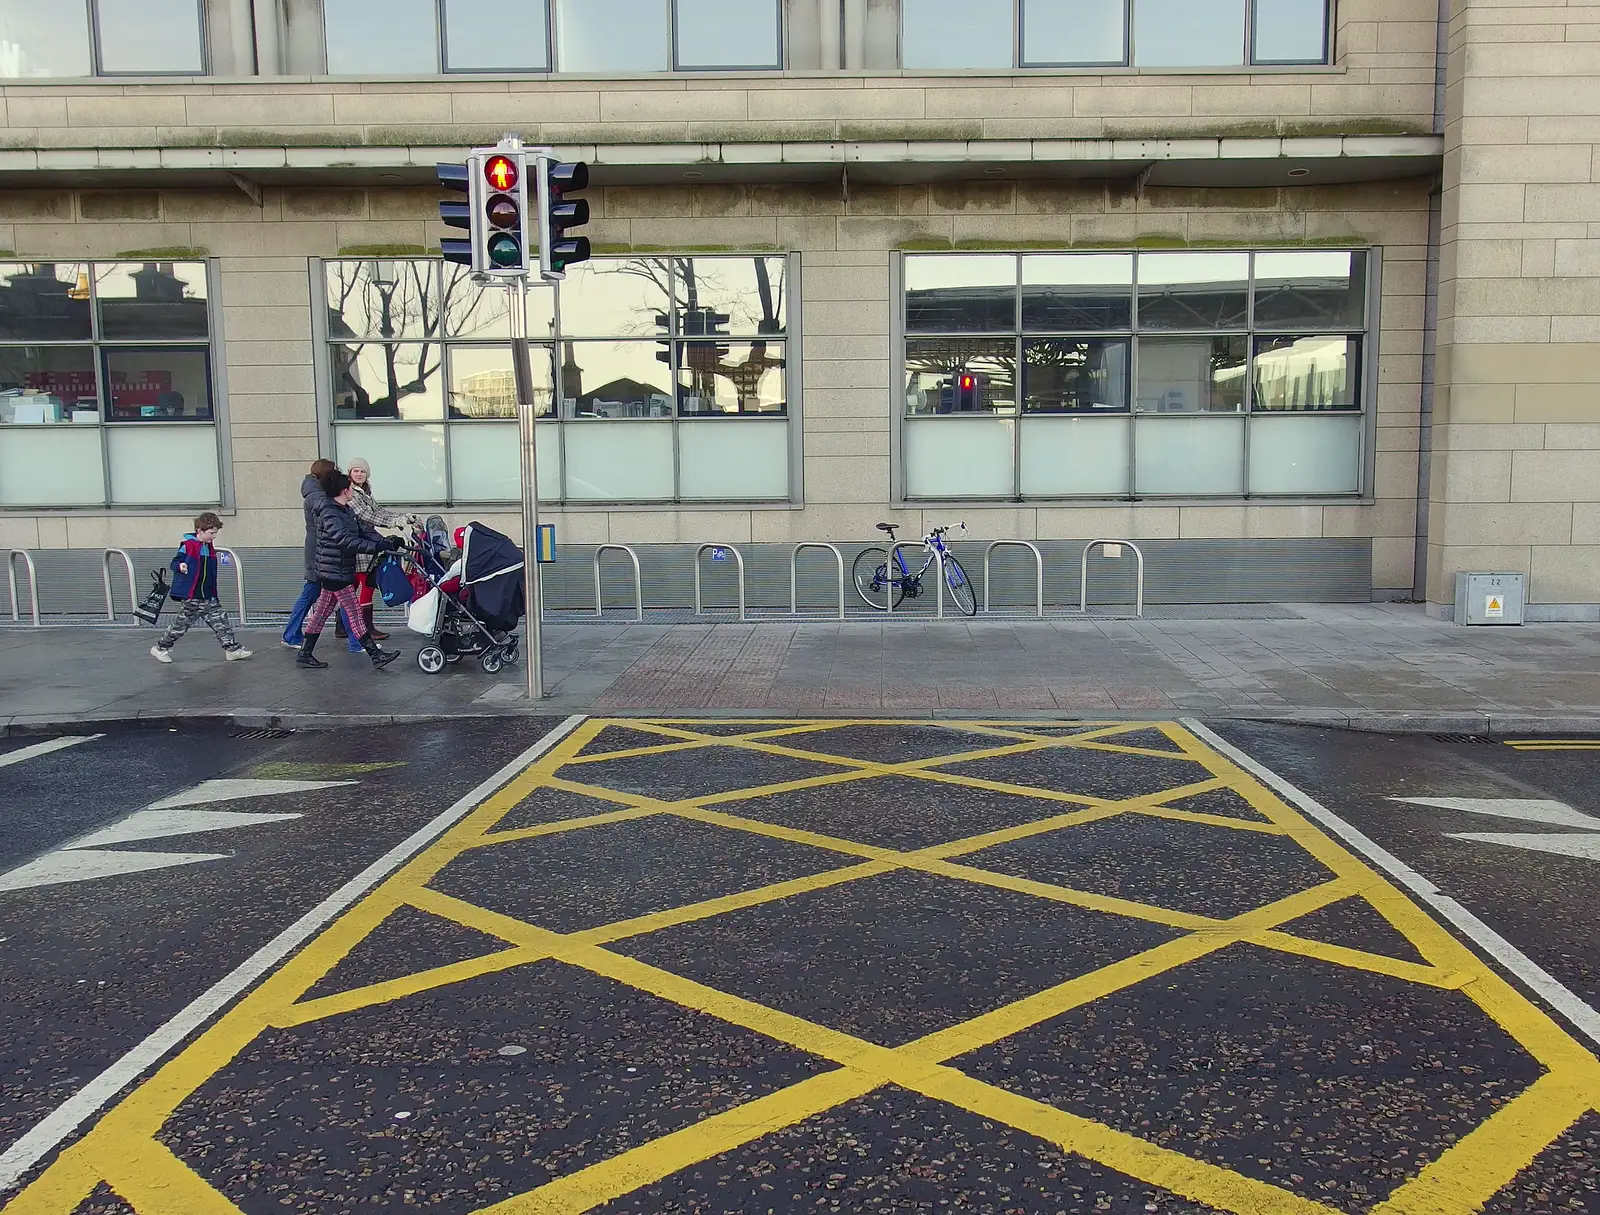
[522,368]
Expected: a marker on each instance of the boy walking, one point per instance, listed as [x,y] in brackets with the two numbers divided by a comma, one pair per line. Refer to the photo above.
[194,583]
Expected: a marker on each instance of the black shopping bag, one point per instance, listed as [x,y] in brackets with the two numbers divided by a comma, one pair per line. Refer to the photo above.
[150,610]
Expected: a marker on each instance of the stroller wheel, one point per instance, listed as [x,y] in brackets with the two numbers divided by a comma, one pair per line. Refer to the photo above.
[491,661]
[512,653]
[431,659]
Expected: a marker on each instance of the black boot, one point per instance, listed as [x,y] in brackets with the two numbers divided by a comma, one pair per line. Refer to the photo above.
[380,657]
[306,658]
[372,630]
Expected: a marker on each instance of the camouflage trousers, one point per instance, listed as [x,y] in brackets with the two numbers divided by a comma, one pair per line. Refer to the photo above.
[208,610]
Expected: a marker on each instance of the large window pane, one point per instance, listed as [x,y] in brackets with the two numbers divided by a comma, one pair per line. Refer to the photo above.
[1307,373]
[961,293]
[1305,455]
[486,462]
[615,380]
[956,34]
[471,311]
[44,302]
[382,37]
[159,385]
[53,466]
[960,458]
[1310,289]
[1189,456]
[496,35]
[49,39]
[1067,456]
[149,36]
[624,462]
[407,461]
[1290,31]
[396,298]
[614,297]
[1188,33]
[960,375]
[1073,292]
[750,292]
[483,385]
[731,378]
[1194,290]
[744,463]
[153,300]
[399,381]
[1191,375]
[47,384]
[612,35]
[1073,31]
[727,33]
[1075,375]
[163,465]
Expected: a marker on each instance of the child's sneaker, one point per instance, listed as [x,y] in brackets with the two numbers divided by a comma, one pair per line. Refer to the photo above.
[159,654]
[238,655]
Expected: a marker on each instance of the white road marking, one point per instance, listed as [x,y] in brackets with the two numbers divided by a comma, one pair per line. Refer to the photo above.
[1526,810]
[1555,993]
[41,1140]
[232,790]
[158,824]
[1584,847]
[87,866]
[45,748]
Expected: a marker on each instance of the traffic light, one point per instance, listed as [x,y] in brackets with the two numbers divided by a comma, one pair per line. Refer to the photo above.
[495,213]
[559,214]
[457,214]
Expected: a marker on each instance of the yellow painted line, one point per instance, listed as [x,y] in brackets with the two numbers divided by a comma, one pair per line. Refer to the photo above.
[389,990]
[1361,959]
[1022,831]
[1558,747]
[602,757]
[153,1181]
[492,838]
[1209,820]
[62,1188]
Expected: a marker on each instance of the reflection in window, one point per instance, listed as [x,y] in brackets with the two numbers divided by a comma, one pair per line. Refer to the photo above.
[382,37]
[1077,291]
[149,36]
[961,294]
[496,36]
[1075,375]
[616,297]
[388,298]
[612,35]
[47,302]
[44,385]
[727,378]
[1310,290]
[1194,290]
[727,34]
[719,296]
[1290,31]
[1188,33]
[960,375]
[159,385]
[42,40]
[483,385]
[1073,32]
[1307,373]
[1191,374]
[394,381]
[153,300]
[957,33]
[615,380]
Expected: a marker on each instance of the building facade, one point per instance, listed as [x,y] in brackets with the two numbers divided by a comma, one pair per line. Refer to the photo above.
[1302,296]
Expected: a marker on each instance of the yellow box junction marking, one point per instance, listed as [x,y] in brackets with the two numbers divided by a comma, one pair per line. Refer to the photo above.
[123,1149]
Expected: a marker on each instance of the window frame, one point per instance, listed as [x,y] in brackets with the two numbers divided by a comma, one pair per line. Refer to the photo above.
[96,53]
[443,26]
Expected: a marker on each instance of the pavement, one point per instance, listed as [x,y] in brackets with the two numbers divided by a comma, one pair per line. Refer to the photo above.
[1379,667]
[782,965]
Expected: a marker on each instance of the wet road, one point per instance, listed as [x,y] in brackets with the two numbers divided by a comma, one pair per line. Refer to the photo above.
[843,966]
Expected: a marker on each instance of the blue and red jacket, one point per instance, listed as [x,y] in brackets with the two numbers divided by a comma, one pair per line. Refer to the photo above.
[200,582]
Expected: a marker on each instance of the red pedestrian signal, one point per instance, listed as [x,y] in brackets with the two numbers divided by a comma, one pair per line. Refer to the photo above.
[501,173]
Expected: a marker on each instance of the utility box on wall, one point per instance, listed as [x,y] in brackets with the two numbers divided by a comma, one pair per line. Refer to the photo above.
[1490,598]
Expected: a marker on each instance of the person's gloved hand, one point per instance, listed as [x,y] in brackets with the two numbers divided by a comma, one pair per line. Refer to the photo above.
[394,543]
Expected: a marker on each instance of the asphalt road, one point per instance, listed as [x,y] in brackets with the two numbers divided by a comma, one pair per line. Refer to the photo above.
[787,967]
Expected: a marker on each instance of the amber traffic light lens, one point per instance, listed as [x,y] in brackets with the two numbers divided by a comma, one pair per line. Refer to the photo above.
[501,172]
[503,211]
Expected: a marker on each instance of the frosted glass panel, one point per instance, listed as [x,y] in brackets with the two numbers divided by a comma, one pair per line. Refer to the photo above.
[52,466]
[408,462]
[727,33]
[1291,31]
[1189,455]
[619,462]
[957,34]
[486,462]
[1074,456]
[1305,455]
[1073,31]
[155,465]
[1188,33]
[611,35]
[959,458]
[734,461]
[387,38]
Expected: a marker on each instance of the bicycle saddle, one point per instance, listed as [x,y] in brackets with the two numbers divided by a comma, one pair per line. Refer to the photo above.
[886,527]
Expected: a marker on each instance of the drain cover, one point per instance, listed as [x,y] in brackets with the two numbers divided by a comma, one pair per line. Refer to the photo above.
[263,733]
[1460,738]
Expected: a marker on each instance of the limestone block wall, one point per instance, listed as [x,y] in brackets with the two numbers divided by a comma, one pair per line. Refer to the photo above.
[1516,466]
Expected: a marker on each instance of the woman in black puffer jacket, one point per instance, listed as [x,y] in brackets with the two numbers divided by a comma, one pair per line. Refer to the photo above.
[340,536]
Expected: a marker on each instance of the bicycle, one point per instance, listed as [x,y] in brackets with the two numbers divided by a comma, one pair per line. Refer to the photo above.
[880,577]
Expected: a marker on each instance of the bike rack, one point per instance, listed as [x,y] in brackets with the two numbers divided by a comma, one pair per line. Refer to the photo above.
[33,583]
[1083,578]
[894,553]
[1038,566]
[133,581]
[638,579]
[738,558]
[238,573]
[794,573]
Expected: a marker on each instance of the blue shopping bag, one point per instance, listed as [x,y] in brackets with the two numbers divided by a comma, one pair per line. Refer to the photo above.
[392,583]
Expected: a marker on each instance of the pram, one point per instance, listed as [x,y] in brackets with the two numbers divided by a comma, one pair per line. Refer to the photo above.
[478,596]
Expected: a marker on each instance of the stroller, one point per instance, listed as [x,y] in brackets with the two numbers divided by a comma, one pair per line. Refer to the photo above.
[476,597]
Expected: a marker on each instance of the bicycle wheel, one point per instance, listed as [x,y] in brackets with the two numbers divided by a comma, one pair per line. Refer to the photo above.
[960,585]
[874,583]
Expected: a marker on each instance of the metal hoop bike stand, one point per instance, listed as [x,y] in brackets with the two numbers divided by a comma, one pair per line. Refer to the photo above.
[894,553]
[133,581]
[33,583]
[638,579]
[238,573]
[794,573]
[1083,576]
[699,607]
[1038,567]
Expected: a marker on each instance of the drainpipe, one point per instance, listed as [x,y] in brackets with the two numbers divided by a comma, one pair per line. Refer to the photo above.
[1430,322]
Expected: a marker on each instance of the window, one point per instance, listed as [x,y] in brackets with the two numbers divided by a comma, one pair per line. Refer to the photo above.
[727,34]
[667,380]
[105,385]
[382,37]
[496,36]
[1000,34]
[125,37]
[1121,375]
